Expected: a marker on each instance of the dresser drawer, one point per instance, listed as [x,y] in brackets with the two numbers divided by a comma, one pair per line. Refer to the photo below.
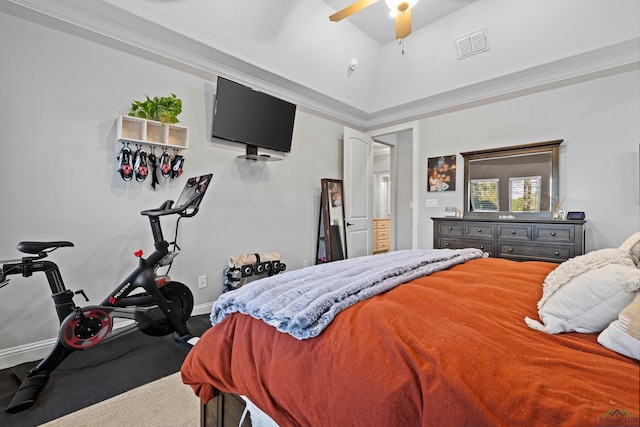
[383,245]
[520,240]
[383,234]
[450,229]
[485,246]
[564,233]
[382,224]
[535,252]
[515,231]
[480,230]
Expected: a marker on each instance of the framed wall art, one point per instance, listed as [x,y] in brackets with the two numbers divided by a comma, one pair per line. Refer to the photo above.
[442,173]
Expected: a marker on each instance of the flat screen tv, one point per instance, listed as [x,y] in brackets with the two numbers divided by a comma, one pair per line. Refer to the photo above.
[257,119]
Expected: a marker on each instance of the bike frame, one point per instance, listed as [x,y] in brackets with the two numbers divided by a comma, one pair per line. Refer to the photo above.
[124,306]
[143,277]
[86,327]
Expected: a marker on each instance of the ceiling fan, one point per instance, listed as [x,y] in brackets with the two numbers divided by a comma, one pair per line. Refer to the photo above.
[402,8]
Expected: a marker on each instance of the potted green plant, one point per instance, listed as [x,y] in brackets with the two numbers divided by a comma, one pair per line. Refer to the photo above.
[163,109]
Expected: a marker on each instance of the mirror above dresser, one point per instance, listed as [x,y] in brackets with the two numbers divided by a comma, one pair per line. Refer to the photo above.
[509,197]
[520,181]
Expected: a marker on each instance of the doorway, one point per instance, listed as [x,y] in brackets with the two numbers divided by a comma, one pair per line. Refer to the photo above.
[358,176]
[400,143]
[382,189]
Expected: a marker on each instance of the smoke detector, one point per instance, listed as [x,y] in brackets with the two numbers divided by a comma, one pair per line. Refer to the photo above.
[472,43]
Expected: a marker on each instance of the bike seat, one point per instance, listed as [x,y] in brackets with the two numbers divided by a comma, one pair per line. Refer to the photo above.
[37,247]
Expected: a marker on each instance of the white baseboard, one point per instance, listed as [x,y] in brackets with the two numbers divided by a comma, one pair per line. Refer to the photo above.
[199,310]
[13,356]
[25,353]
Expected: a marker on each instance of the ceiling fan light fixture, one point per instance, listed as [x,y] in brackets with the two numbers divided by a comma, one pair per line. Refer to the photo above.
[400,5]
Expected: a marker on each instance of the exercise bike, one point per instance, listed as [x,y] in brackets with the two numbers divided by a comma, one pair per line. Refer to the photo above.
[159,306]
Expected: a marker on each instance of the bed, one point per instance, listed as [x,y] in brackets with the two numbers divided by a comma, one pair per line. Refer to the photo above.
[451,348]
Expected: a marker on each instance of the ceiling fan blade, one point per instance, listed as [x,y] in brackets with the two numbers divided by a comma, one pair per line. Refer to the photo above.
[403,24]
[350,10]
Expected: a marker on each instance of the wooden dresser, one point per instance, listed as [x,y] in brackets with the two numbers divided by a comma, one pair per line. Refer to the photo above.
[520,240]
[380,232]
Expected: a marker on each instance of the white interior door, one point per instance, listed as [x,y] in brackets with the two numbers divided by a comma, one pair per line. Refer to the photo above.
[357,182]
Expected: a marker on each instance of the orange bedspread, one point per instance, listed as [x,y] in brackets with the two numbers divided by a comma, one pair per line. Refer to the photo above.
[450,349]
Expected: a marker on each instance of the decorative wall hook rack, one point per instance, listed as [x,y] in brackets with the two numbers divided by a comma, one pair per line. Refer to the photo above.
[151,133]
[146,135]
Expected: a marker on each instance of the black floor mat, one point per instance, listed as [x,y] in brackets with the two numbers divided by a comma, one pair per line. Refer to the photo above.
[91,376]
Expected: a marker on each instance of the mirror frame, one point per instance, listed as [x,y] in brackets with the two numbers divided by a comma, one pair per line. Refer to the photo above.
[516,150]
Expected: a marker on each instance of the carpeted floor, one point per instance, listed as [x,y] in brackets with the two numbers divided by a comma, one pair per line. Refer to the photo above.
[91,376]
[166,402]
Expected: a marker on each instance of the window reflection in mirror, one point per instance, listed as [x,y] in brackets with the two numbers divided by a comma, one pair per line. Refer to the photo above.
[524,194]
[484,195]
[520,179]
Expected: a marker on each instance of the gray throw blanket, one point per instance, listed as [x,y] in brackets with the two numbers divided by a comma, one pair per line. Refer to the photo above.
[303,302]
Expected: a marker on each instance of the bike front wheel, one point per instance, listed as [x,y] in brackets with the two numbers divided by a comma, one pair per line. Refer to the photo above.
[180,300]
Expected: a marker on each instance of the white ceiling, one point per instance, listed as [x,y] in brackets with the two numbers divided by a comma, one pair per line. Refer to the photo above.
[290,49]
[378,23]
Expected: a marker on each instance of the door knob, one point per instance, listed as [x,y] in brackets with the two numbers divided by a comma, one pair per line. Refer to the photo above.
[349,224]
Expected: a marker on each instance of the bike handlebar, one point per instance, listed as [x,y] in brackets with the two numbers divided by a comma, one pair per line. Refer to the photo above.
[189,199]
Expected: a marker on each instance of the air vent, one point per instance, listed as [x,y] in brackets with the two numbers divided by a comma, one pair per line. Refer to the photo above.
[473,43]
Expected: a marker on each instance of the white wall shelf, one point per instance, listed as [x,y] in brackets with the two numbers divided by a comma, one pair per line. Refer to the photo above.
[135,130]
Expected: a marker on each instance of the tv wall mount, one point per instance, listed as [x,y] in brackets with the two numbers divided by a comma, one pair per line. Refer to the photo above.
[252,154]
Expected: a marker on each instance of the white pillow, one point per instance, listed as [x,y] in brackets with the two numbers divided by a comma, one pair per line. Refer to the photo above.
[586,293]
[632,244]
[623,334]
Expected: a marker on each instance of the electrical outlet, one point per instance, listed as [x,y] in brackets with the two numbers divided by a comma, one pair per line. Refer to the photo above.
[202,282]
[431,203]
[305,263]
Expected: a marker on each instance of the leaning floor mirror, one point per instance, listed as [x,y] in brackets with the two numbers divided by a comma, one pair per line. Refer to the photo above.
[332,239]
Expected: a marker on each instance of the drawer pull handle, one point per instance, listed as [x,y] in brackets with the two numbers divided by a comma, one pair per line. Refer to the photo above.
[482,247]
[510,249]
[553,233]
[450,228]
[556,253]
[479,230]
[447,244]
[513,231]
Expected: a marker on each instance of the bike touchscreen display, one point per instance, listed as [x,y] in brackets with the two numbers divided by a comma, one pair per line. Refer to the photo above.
[193,191]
